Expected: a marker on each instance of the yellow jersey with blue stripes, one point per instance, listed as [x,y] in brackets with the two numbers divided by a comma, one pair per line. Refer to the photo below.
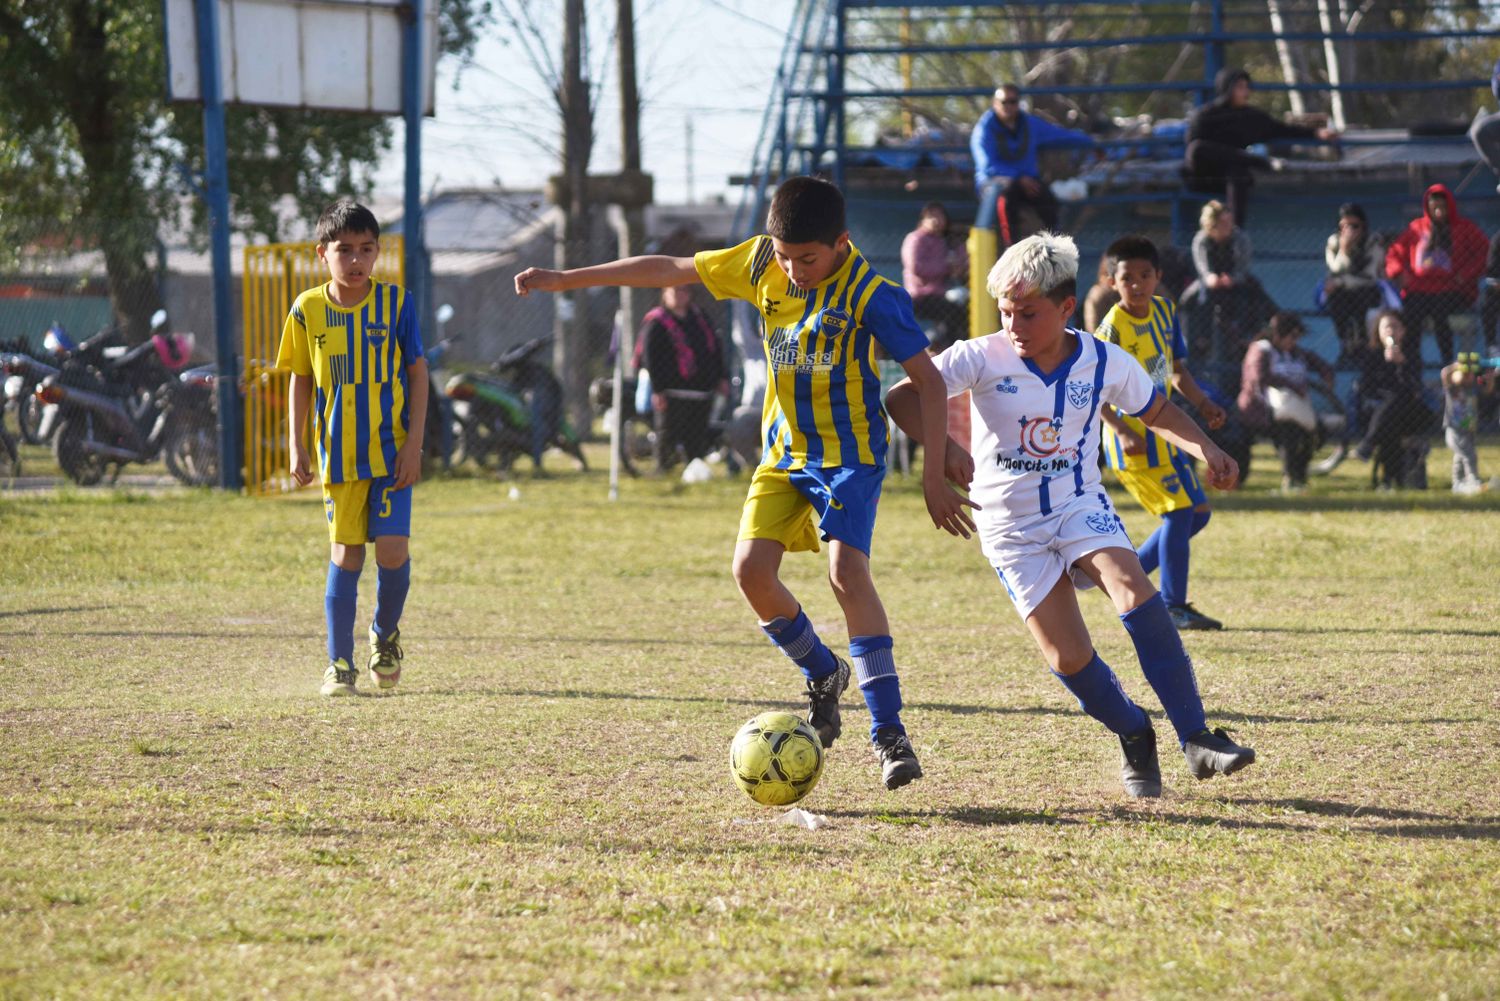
[1155,342]
[823,406]
[357,357]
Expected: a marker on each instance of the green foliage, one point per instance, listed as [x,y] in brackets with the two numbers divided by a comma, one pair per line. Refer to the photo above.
[92,155]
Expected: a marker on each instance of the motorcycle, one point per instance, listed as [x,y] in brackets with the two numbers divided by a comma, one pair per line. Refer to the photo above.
[36,421]
[119,405]
[515,411]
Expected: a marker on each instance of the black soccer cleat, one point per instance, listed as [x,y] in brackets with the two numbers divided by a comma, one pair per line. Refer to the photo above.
[1140,768]
[1211,753]
[823,702]
[1187,617]
[898,762]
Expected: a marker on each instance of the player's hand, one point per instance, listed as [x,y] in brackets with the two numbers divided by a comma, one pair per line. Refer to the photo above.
[539,280]
[301,464]
[1213,415]
[1223,471]
[408,463]
[946,507]
[958,465]
[1130,442]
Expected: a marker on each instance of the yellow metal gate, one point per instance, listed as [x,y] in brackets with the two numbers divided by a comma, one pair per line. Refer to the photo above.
[275,274]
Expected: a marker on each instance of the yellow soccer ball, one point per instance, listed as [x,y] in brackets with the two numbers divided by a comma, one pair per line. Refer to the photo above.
[776,758]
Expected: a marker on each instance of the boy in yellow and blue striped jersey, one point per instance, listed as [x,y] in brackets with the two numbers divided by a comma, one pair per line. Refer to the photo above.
[824,434]
[355,353]
[1157,474]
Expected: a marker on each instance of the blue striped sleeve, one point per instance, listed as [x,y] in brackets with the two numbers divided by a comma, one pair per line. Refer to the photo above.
[889,318]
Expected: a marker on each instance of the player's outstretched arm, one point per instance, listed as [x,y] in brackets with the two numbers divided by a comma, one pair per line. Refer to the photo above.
[650,271]
[1182,380]
[921,393]
[1167,419]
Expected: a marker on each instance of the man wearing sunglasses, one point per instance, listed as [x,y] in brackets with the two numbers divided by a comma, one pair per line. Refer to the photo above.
[1005,144]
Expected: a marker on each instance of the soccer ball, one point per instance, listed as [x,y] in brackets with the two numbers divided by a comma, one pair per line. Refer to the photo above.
[776,758]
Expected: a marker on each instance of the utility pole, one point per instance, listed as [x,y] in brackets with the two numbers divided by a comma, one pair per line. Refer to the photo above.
[689,123]
[633,233]
[570,327]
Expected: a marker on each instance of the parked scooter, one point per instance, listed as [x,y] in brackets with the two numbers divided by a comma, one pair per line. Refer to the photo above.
[116,405]
[517,411]
[24,370]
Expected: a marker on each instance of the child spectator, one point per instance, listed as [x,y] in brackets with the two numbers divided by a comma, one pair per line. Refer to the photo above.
[1352,289]
[1160,478]
[824,432]
[1462,384]
[1274,384]
[356,342]
[1045,523]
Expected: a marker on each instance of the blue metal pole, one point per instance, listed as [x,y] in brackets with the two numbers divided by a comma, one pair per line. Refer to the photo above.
[411,105]
[216,182]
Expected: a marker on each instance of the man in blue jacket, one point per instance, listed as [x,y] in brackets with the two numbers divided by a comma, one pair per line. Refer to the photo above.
[1005,143]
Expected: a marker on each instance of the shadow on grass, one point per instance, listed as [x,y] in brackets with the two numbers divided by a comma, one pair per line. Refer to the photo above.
[1381,821]
[1331,630]
[56,611]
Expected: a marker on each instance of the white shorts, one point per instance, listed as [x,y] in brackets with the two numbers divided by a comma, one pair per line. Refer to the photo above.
[1031,559]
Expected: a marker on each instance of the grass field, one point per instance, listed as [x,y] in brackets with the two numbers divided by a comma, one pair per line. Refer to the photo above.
[545,811]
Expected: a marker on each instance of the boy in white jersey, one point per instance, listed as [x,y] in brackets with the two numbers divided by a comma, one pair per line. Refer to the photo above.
[1045,522]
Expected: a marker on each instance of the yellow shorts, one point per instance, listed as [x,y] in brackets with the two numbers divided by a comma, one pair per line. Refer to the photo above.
[360,510]
[1165,488]
[775,509]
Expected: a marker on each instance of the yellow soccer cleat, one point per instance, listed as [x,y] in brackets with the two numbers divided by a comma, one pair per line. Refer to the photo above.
[385,659]
[340,679]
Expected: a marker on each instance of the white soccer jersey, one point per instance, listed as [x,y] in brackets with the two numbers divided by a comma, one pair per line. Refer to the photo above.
[1036,435]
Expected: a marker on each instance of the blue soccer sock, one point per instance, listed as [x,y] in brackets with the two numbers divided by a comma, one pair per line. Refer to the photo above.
[1099,694]
[391,585]
[875,667]
[338,609]
[1175,549]
[799,640]
[1166,665]
[1150,551]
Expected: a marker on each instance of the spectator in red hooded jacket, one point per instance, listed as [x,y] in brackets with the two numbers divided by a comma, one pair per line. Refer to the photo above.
[1436,263]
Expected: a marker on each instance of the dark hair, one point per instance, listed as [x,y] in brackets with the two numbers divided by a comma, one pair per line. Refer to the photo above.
[1354,209]
[346,216]
[1131,248]
[1285,322]
[807,210]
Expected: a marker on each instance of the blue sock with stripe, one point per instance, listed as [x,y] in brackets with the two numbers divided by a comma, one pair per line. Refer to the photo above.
[799,640]
[391,585]
[1099,694]
[875,667]
[1150,551]
[1176,532]
[1166,665]
[338,609]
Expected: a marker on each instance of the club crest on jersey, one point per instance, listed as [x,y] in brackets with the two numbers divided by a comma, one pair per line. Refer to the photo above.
[1007,386]
[1080,394]
[375,331]
[834,321]
[1103,522]
[1039,436]
[1170,483]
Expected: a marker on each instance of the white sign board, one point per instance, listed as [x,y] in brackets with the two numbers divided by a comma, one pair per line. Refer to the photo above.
[342,55]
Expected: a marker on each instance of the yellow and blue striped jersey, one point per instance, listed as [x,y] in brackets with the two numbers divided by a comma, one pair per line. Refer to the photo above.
[823,405]
[1156,342]
[357,357]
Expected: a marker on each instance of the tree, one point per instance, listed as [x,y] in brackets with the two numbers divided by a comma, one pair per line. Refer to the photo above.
[91,152]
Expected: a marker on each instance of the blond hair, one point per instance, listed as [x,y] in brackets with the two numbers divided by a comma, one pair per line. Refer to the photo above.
[1045,264]
[1212,212]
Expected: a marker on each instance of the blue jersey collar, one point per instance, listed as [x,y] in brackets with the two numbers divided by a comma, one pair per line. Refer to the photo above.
[1061,371]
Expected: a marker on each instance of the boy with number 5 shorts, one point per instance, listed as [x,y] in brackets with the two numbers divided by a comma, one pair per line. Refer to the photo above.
[354,350]
[824,435]
[1159,476]
[1045,522]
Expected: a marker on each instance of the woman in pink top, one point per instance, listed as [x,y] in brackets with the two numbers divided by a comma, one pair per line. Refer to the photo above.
[929,264]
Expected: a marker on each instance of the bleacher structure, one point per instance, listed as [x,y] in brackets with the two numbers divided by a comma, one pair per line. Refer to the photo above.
[879,96]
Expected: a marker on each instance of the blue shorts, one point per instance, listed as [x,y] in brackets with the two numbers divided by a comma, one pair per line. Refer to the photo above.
[781,504]
[361,511]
